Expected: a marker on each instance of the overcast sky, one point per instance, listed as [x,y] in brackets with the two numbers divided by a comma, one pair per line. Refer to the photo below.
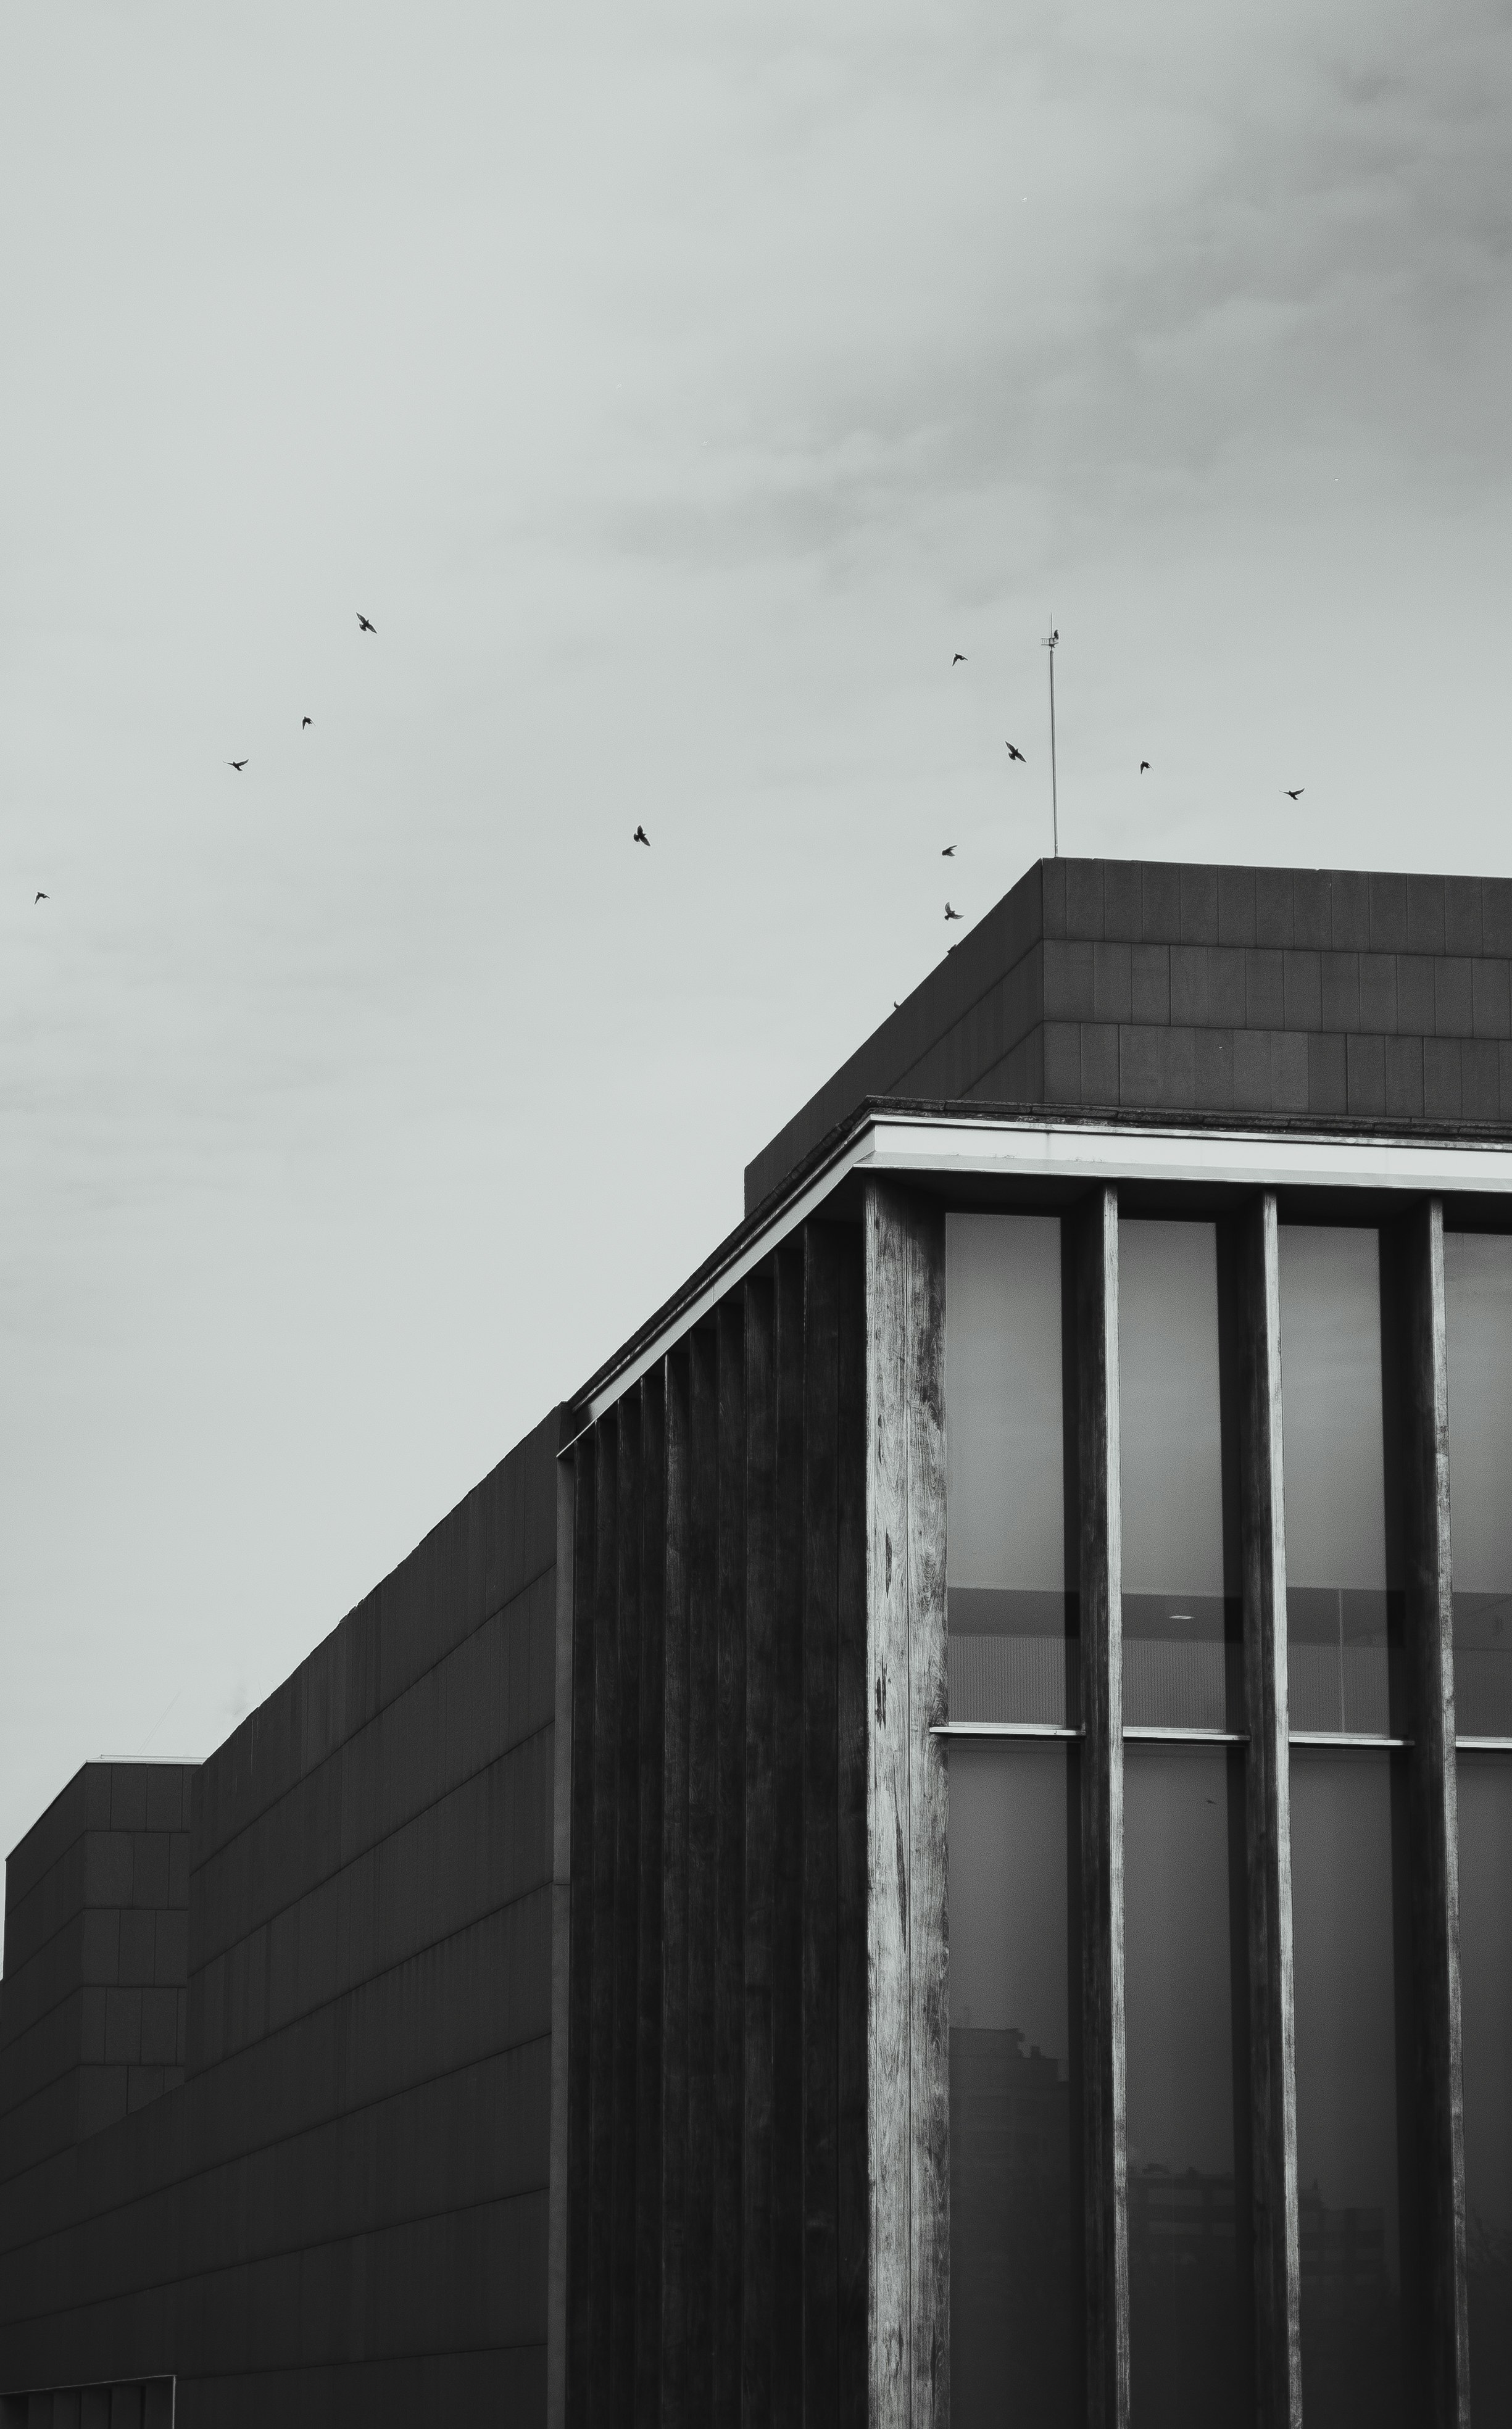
[676,388]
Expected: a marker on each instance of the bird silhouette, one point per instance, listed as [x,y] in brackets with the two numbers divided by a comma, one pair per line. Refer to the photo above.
[954,914]
[237,764]
[1144,767]
[949,852]
[1014,752]
[640,837]
[304,721]
[1297,795]
[363,622]
[959,659]
[42,898]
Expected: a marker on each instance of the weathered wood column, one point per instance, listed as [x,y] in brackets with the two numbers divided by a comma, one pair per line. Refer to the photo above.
[907,2045]
[1105,2156]
[1268,1826]
[1414,1297]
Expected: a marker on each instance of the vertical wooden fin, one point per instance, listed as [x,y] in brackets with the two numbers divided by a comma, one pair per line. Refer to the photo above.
[853,2238]
[652,1517]
[1095,1236]
[600,2357]
[787,2045]
[820,1821]
[1416,1284]
[729,1986]
[627,1917]
[578,1719]
[907,2093]
[703,1860]
[761,1559]
[1268,1824]
[674,1892]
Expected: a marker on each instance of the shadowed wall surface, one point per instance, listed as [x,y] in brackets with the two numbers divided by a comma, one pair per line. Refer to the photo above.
[340,2211]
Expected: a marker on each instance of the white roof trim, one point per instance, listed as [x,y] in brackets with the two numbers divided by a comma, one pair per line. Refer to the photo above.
[1033,1147]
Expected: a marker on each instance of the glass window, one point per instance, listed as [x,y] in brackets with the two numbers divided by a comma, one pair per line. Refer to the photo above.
[1478,1286]
[1011,1649]
[1015,2212]
[1189,2268]
[1340,1672]
[1485,1995]
[1183,1664]
[1344,1955]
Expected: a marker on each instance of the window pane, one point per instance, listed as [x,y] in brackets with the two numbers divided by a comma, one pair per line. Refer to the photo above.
[1190,2271]
[1337,1611]
[1478,1278]
[1344,1942]
[1485,1993]
[1014,2212]
[1006,1562]
[1181,1661]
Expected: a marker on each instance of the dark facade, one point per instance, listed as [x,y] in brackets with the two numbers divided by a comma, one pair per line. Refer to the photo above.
[879,1864]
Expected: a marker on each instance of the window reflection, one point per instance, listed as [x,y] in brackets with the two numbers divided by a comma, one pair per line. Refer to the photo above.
[1339,1621]
[1486,1991]
[1189,2268]
[1478,1286]
[1015,2214]
[1012,1651]
[1345,1957]
[1183,1665]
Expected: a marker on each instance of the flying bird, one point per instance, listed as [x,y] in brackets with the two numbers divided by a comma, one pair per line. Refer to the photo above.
[1144,767]
[1297,795]
[304,721]
[959,659]
[640,837]
[42,898]
[954,914]
[1014,752]
[949,852]
[363,622]
[237,764]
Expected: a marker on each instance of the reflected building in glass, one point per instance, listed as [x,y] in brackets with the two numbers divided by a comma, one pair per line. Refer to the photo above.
[935,1847]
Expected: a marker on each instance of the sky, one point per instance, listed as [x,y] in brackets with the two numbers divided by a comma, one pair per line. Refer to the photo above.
[676,389]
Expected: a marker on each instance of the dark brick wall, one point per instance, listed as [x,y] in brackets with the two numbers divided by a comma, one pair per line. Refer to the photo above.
[341,2213]
[1161,987]
[93,1999]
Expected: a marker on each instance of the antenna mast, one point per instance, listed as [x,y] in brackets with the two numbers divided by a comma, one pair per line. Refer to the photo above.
[1054,802]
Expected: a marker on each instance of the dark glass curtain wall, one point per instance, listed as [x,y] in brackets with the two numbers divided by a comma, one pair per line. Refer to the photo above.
[1337,1608]
[1478,1288]
[1183,1665]
[1345,1923]
[1010,1658]
[1190,2263]
[1015,2212]
[1485,1986]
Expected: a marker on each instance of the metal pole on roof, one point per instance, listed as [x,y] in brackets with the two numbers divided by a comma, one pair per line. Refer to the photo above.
[1054,801]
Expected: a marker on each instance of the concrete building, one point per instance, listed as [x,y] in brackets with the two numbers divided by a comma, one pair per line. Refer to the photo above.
[938,1841]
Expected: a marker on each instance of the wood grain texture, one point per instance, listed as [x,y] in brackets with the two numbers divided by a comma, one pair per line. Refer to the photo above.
[760,1582]
[820,1821]
[606,1800]
[788,2050]
[908,2103]
[729,1982]
[653,1620]
[853,2156]
[673,2223]
[626,1913]
[580,2025]
[565,1719]
[703,1858]
[1268,1823]
[1095,1249]
[1418,1367]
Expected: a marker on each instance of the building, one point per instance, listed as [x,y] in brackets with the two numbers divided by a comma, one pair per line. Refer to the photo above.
[938,1842]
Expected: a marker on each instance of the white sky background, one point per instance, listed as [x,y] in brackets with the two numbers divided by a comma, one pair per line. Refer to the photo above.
[677,388]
